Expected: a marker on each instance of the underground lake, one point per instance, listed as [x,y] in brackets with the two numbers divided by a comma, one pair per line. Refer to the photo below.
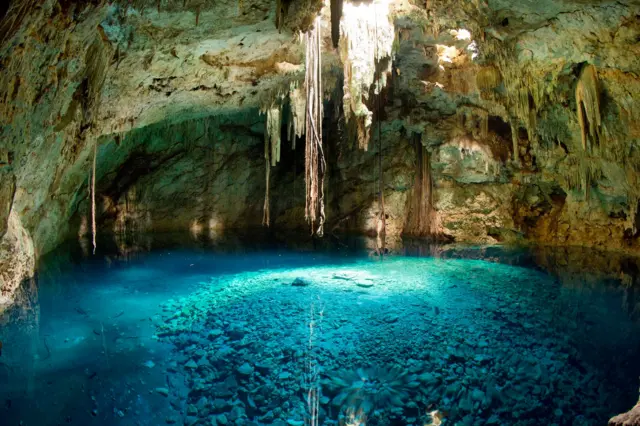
[335,333]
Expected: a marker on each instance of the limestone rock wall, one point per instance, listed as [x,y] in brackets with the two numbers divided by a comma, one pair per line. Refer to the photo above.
[75,71]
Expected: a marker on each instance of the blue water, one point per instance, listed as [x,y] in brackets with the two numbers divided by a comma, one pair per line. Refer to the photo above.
[331,334]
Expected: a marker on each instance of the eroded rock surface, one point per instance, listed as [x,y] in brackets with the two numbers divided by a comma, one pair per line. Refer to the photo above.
[631,418]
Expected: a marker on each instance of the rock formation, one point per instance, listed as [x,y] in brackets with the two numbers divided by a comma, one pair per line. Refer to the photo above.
[630,418]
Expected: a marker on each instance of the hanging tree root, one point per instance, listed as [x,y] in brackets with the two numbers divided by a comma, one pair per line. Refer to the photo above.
[315,164]
[93,197]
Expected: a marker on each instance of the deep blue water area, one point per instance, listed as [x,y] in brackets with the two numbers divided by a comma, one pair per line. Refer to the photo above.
[254,331]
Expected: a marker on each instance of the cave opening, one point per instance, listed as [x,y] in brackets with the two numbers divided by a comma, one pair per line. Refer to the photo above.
[319,212]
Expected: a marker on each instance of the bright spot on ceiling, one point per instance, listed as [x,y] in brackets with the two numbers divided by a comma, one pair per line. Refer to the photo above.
[446,53]
[473,48]
[461,34]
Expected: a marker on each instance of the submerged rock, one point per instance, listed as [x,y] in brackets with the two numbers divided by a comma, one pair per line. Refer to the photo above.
[364,284]
[162,391]
[245,369]
[299,282]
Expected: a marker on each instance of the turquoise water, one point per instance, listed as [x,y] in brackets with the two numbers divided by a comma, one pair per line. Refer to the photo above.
[328,335]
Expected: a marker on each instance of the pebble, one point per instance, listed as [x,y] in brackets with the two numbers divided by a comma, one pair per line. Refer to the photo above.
[284,375]
[162,391]
[245,369]
[299,282]
[477,395]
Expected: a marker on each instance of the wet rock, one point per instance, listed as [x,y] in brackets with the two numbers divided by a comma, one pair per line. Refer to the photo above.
[284,375]
[263,367]
[191,364]
[630,418]
[220,405]
[477,395]
[237,413]
[245,369]
[215,333]
[299,282]
[191,421]
[365,284]
[162,391]
[236,332]
[391,318]
[202,404]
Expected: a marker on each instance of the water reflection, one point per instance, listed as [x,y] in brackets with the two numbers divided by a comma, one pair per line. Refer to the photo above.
[21,323]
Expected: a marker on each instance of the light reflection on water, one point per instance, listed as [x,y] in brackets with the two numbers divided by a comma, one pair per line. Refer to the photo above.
[476,335]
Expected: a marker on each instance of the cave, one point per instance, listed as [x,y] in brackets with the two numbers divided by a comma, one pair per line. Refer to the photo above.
[319,212]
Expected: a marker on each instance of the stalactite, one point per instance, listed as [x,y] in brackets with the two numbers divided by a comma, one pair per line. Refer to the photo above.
[526,90]
[297,103]
[634,205]
[314,157]
[484,124]
[272,133]
[488,78]
[588,102]
[523,109]
[281,12]
[336,15]
[273,127]
[93,197]
[366,39]
[582,172]
[514,140]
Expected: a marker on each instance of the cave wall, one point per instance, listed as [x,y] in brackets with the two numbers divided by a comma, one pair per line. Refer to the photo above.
[203,175]
[469,114]
[73,72]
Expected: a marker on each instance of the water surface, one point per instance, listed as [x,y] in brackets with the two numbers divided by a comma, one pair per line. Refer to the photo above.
[252,333]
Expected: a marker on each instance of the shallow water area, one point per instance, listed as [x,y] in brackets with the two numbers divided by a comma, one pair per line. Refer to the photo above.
[333,334]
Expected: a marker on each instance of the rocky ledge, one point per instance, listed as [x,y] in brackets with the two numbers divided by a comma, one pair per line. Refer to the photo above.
[631,418]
